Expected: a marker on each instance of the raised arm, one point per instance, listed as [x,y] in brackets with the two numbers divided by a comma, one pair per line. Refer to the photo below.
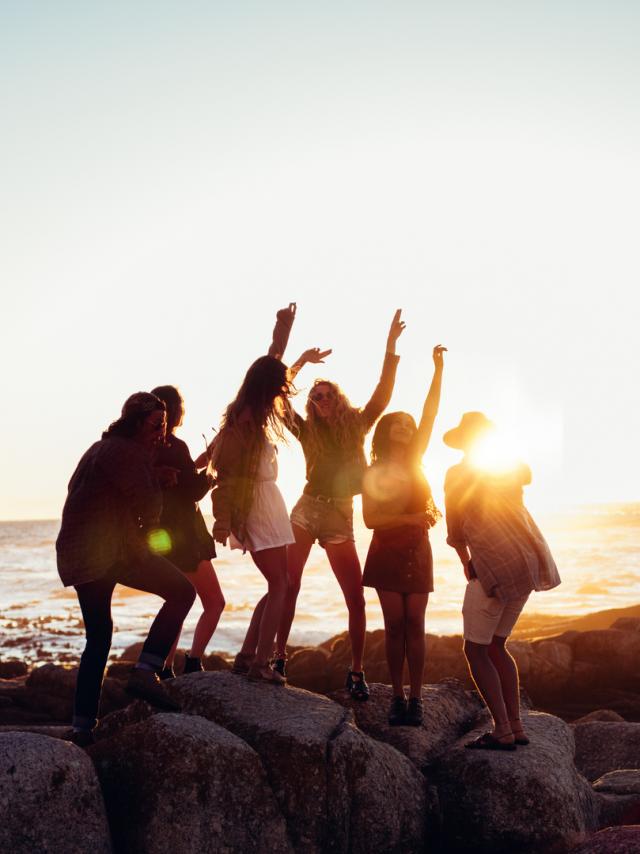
[282,330]
[382,393]
[431,404]
[314,356]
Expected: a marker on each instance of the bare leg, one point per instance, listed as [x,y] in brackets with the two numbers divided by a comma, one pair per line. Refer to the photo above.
[297,555]
[208,589]
[205,580]
[272,563]
[394,636]
[508,673]
[415,605]
[488,684]
[346,568]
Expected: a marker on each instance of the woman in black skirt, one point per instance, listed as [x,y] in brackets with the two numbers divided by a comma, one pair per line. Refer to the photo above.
[397,505]
[185,540]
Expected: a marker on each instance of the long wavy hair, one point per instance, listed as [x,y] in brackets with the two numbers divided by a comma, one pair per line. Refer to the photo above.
[380,454]
[345,425]
[262,395]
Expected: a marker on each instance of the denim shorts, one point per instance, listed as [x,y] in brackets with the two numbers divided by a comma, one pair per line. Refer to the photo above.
[327,520]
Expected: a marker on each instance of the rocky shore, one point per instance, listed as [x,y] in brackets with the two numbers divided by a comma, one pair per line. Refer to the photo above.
[251,767]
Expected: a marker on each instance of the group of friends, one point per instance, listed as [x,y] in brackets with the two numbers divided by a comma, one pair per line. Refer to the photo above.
[132,517]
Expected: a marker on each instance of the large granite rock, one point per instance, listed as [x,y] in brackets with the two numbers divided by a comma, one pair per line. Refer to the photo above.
[615,652]
[180,783]
[612,840]
[338,789]
[50,800]
[619,793]
[603,746]
[449,711]
[531,799]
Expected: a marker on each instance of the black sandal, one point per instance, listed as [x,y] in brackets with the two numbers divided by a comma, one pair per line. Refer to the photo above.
[488,741]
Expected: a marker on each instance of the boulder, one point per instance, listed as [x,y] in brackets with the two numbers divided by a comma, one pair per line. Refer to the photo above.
[603,746]
[619,793]
[337,788]
[599,715]
[449,711]
[12,667]
[627,624]
[50,800]
[180,783]
[307,668]
[51,688]
[613,651]
[611,840]
[559,654]
[531,799]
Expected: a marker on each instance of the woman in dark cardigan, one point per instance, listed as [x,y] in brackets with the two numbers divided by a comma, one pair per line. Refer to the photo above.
[113,503]
[187,542]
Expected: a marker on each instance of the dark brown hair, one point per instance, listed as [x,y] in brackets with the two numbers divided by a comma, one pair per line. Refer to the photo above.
[174,402]
[262,394]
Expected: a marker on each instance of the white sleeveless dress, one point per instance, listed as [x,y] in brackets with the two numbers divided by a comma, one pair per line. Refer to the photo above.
[268,524]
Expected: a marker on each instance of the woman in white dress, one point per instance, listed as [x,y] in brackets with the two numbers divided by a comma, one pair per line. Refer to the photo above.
[248,507]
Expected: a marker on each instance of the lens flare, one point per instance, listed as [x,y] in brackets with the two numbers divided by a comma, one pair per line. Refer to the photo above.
[159,541]
[495,452]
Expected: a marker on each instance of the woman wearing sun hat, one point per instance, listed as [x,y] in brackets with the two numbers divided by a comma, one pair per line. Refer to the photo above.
[504,557]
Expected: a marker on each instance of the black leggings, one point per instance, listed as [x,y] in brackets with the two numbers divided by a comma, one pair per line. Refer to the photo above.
[153,574]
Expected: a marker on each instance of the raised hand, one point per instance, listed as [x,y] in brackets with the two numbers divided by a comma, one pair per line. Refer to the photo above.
[315,355]
[395,331]
[288,314]
[438,353]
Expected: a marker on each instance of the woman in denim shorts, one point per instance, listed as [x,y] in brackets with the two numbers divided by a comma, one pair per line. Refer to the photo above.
[332,438]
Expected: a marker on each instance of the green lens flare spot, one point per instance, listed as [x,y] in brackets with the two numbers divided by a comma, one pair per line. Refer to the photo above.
[159,541]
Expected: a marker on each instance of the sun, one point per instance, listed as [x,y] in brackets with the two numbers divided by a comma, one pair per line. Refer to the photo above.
[496,451]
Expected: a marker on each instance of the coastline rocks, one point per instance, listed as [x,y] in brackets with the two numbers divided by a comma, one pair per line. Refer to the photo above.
[531,799]
[449,711]
[603,746]
[619,792]
[613,652]
[612,840]
[179,783]
[337,789]
[50,800]
[51,688]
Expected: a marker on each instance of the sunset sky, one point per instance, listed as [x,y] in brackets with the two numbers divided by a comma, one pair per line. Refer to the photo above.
[172,173]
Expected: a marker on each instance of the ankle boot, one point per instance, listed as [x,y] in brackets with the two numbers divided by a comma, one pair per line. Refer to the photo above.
[192,665]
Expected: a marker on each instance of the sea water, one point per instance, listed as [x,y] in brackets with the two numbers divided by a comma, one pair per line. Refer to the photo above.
[596,549]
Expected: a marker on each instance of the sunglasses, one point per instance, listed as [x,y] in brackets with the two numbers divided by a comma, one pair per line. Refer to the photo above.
[319,396]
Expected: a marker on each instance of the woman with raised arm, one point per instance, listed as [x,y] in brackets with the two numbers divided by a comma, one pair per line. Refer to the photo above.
[397,505]
[113,505]
[248,507]
[186,541]
[332,437]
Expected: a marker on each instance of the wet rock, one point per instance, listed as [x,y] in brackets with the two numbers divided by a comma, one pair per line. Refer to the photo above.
[611,840]
[337,788]
[531,799]
[50,800]
[449,711]
[603,746]
[180,783]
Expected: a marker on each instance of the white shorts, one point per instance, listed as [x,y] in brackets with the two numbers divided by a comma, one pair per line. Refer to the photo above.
[485,616]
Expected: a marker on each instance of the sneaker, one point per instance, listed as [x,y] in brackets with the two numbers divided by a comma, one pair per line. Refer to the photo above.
[146,685]
[398,711]
[192,665]
[280,666]
[415,712]
[356,685]
[166,673]
[82,737]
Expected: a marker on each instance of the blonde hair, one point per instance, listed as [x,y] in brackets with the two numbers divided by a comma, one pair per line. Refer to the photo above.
[345,425]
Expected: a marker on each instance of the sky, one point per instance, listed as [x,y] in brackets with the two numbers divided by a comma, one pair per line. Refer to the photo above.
[173,173]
